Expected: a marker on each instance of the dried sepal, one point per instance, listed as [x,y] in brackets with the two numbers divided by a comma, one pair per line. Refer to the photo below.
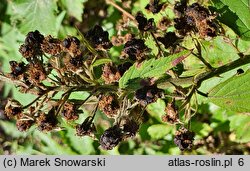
[13,109]
[172,115]
[87,128]
[110,73]
[109,105]
[70,111]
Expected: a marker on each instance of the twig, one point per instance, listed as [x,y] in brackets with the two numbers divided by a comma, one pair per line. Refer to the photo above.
[111,2]
[158,45]
[15,82]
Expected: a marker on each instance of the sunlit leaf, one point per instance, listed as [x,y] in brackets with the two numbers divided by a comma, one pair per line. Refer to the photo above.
[240,124]
[235,14]
[75,8]
[33,15]
[151,68]
[233,94]
[159,131]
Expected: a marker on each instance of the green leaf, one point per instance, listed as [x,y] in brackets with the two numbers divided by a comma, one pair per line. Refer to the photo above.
[151,68]
[233,94]
[235,14]
[52,146]
[83,145]
[75,8]
[201,129]
[33,15]
[157,109]
[215,51]
[240,124]
[11,130]
[150,42]
[101,61]
[159,131]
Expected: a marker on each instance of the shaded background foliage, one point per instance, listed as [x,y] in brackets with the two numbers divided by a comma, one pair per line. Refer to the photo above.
[217,130]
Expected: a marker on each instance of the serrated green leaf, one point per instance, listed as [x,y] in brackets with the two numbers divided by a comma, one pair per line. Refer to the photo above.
[233,94]
[33,15]
[240,124]
[151,68]
[159,131]
[235,14]
[75,8]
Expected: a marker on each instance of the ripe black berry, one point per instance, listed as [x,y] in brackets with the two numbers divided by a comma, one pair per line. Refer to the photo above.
[169,40]
[143,23]
[130,128]
[34,38]
[111,138]
[98,38]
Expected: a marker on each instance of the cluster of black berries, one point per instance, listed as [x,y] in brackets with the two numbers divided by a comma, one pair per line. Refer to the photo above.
[195,18]
[24,120]
[71,60]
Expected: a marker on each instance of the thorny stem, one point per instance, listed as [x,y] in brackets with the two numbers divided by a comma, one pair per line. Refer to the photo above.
[198,79]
